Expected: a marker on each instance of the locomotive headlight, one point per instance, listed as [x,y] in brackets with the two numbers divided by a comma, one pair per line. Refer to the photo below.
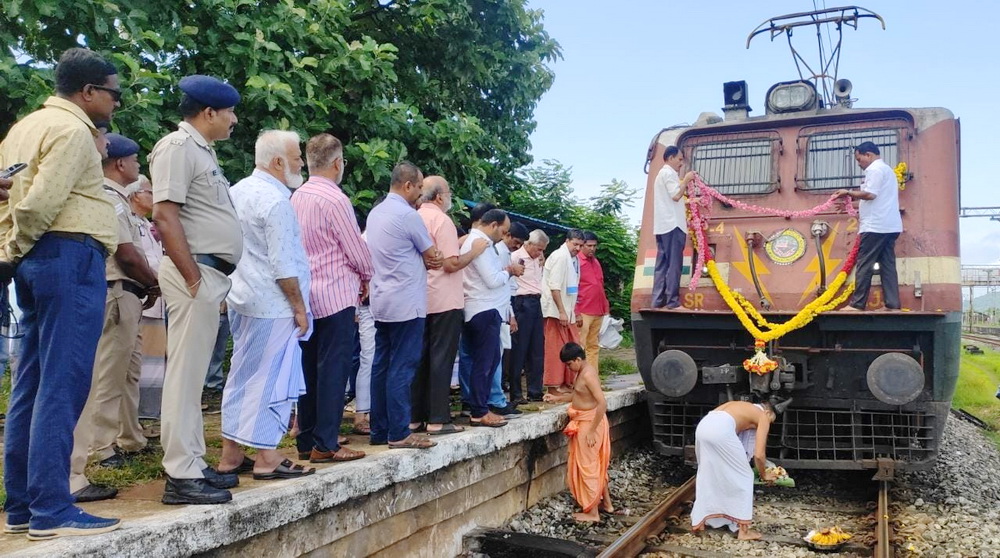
[674,373]
[791,96]
[895,378]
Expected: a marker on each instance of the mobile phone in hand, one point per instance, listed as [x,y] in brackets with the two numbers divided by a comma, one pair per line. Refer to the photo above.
[12,170]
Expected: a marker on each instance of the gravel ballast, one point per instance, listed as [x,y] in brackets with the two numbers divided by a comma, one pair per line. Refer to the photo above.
[949,511]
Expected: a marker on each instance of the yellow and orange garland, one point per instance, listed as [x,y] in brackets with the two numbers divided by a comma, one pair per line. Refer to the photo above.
[762,330]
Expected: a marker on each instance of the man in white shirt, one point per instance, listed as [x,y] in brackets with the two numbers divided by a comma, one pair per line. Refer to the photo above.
[670,228]
[487,293]
[268,313]
[880,227]
[498,402]
[560,284]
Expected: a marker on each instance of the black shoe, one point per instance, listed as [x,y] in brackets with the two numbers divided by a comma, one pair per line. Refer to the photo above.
[193,491]
[211,401]
[536,398]
[519,401]
[94,492]
[116,461]
[220,480]
[509,411]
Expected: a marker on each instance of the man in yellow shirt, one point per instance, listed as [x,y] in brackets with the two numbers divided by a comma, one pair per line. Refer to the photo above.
[57,228]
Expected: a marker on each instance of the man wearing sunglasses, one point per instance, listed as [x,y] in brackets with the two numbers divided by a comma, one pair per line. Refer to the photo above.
[57,227]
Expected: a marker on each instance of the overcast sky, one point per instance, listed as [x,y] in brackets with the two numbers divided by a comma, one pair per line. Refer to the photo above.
[632,68]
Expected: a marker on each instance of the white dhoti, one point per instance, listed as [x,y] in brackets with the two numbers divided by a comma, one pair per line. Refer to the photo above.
[724,485]
[265,379]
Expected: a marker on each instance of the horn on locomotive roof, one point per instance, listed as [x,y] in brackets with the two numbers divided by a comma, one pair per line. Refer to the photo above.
[839,17]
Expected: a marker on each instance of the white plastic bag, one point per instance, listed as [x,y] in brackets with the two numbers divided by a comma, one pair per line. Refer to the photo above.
[610,335]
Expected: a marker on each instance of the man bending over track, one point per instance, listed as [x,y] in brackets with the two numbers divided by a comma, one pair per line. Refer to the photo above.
[724,442]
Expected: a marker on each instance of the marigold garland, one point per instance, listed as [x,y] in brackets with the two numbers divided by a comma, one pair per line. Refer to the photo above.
[751,319]
[902,174]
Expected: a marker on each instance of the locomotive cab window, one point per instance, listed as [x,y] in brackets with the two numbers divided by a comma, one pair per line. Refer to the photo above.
[736,166]
[829,156]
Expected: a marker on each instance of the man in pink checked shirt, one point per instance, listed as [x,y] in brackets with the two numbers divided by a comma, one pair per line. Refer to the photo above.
[341,266]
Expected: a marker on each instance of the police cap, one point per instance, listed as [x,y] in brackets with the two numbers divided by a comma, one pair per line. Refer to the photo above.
[210,91]
[120,146]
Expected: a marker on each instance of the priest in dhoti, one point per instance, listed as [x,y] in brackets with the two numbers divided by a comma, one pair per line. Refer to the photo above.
[725,440]
[268,314]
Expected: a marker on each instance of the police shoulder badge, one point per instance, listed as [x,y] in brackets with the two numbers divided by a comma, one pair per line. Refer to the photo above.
[785,246]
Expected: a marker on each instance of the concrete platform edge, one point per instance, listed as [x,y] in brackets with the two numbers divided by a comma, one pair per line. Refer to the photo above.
[196,529]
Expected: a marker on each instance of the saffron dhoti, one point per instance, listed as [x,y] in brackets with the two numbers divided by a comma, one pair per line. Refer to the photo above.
[265,379]
[724,485]
[587,467]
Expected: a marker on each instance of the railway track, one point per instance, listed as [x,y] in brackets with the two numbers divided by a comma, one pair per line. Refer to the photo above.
[984,339]
[635,540]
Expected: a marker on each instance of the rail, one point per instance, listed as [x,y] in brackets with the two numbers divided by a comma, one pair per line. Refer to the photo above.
[633,541]
[984,339]
[883,529]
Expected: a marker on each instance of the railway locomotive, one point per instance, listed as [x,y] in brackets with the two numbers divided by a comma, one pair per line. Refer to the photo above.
[869,389]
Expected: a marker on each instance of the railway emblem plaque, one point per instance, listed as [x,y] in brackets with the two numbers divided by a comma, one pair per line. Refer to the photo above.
[785,246]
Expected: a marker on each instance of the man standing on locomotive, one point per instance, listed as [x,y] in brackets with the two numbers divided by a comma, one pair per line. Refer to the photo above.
[723,443]
[880,226]
[670,228]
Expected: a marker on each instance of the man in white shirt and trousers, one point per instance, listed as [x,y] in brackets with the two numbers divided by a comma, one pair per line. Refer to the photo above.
[670,229]
[880,225]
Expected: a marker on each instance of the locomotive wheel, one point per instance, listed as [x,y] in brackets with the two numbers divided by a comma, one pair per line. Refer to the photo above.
[895,378]
[674,373]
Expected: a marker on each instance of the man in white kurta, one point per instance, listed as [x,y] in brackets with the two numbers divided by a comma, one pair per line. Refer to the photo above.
[268,314]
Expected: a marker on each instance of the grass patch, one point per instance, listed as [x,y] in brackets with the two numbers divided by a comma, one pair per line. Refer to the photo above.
[614,366]
[5,391]
[138,469]
[978,378]
[628,341]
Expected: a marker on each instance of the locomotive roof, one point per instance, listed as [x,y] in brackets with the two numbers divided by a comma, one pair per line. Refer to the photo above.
[920,117]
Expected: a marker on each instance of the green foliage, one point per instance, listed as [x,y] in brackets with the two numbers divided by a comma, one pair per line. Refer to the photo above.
[544,191]
[448,84]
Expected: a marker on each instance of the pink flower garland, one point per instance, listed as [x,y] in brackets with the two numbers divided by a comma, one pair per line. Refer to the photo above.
[700,204]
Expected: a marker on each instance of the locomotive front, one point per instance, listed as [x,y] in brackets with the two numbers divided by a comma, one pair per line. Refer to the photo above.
[869,389]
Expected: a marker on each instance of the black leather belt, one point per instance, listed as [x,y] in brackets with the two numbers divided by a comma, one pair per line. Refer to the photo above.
[82,238]
[129,286]
[215,263]
[528,296]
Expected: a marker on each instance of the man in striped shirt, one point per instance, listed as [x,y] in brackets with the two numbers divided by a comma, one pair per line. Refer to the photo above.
[341,266]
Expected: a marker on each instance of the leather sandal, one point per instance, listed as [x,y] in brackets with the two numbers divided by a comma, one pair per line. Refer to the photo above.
[285,470]
[413,442]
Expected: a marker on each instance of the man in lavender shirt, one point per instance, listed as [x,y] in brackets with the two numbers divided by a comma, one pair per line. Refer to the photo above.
[402,252]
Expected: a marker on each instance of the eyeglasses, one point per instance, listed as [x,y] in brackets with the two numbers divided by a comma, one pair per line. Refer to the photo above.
[116,94]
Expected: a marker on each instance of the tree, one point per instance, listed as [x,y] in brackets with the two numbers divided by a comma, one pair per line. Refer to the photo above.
[448,84]
[544,191]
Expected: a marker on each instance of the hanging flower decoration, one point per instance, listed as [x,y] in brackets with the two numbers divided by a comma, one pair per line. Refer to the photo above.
[902,174]
[759,363]
[700,212]
[759,327]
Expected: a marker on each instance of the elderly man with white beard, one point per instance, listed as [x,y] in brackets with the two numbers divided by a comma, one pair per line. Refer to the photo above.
[268,313]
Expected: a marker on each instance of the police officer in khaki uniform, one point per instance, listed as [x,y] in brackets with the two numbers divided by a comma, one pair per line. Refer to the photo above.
[203,242]
[112,411]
